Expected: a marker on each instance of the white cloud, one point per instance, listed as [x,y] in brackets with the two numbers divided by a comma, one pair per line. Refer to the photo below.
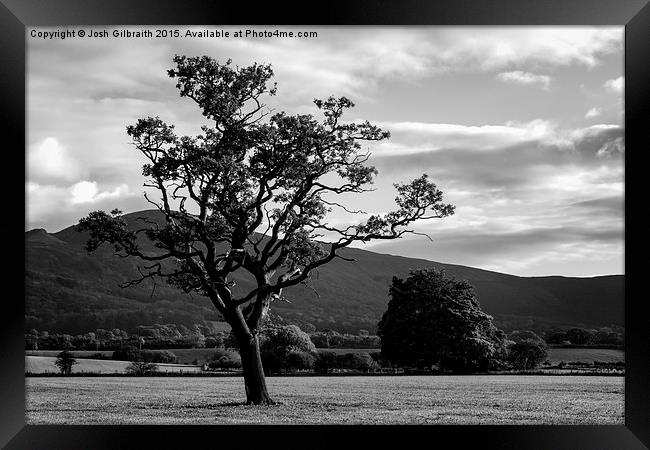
[54,207]
[43,201]
[49,160]
[526,78]
[591,131]
[615,85]
[508,47]
[593,112]
[415,137]
[419,137]
[99,87]
[88,192]
[341,60]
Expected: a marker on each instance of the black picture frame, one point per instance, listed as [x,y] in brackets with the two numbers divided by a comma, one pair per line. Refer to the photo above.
[18,15]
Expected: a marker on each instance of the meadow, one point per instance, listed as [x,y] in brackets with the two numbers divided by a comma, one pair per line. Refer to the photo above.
[586,355]
[45,364]
[188,355]
[476,399]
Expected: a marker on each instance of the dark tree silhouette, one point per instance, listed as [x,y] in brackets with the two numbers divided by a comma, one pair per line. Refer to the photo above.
[142,368]
[65,361]
[435,319]
[252,193]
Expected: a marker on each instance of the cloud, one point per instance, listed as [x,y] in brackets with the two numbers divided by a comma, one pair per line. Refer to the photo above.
[539,139]
[575,243]
[49,161]
[532,47]
[427,85]
[54,207]
[308,67]
[593,112]
[525,78]
[87,192]
[610,149]
[602,140]
[416,137]
[615,85]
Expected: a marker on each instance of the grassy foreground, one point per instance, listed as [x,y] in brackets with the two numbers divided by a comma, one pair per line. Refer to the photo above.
[479,399]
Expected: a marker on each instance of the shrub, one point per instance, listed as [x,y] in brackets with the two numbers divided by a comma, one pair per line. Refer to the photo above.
[126,354]
[225,359]
[325,362]
[65,361]
[141,368]
[300,361]
[357,361]
[527,354]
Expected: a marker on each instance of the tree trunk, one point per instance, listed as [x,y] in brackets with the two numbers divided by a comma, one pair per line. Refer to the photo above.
[256,392]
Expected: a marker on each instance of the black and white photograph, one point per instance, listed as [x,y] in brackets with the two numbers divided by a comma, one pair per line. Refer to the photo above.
[325,225]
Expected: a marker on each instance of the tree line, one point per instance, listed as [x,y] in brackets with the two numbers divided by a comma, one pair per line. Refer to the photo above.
[169,336]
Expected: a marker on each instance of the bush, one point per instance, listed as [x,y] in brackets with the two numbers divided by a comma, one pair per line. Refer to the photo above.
[300,361]
[141,368]
[522,335]
[126,354]
[357,361]
[65,361]
[277,342]
[153,356]
[160,356]
[325,362]
[527,354]
[225,359]
[579,336]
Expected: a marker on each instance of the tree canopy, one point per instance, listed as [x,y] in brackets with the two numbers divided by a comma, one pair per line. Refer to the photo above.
[433,319]
[281,344]
[65,361]
[252,192]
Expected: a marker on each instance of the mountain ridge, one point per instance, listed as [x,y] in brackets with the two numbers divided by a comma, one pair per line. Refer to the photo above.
[63,281]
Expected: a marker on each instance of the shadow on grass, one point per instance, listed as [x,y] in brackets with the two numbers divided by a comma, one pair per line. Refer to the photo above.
[231,404]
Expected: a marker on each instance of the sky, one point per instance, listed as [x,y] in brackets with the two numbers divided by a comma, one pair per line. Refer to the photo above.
[520,127]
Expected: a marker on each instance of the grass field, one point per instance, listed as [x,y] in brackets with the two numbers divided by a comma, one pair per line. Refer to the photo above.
[45,364]
[335,400]
[188,355]
[556,355]
[586,355]
[75,353]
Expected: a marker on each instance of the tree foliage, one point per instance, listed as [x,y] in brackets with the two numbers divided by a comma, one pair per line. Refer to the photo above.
[141,368]
[434,319]
[242,174]
[524,335]
[325,362]
[252,192]
[279,343]
[65,361]
[225,359]
[527,354]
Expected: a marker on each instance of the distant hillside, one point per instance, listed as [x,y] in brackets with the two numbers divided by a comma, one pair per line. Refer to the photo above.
[69,290]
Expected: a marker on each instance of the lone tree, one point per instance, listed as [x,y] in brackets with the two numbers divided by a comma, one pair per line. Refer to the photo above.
[65,361]
[140,367]
[433,319]
[252,193]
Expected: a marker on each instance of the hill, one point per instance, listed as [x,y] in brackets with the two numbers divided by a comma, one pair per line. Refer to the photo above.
[69,290]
